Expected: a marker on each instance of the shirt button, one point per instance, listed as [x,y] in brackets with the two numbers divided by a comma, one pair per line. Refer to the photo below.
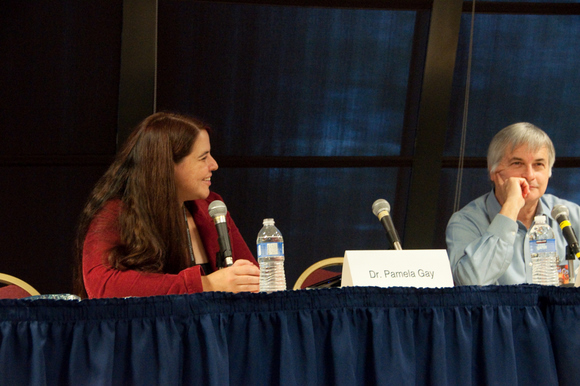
[531,264]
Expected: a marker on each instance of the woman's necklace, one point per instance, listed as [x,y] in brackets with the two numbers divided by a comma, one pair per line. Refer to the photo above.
[188,236]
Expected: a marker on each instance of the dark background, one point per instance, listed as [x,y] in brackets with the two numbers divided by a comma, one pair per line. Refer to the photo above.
[317,111]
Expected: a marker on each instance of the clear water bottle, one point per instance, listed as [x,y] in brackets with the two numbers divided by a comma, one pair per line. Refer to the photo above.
[271,257]
[544,255]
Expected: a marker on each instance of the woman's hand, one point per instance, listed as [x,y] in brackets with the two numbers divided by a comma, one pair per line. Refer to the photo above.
[242,276]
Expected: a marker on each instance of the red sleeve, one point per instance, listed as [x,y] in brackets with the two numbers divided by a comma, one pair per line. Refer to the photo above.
[102,281]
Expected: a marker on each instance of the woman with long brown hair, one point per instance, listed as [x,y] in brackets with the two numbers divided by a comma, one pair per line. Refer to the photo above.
[145,229]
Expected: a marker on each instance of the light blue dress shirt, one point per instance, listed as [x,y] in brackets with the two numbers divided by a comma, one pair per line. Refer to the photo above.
[486,247]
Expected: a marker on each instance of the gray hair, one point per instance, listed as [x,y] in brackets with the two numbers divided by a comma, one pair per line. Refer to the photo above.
[514,136]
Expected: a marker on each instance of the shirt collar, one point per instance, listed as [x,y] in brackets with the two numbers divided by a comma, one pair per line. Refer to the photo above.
[543,208]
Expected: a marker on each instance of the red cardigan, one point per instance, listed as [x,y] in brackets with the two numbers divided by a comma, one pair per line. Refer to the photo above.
[103,281]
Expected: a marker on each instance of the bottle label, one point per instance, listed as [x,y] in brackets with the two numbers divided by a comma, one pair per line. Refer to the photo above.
[270,249]
[542,246]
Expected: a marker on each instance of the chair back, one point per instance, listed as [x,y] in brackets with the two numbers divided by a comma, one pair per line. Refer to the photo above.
[317,273]
[15,288]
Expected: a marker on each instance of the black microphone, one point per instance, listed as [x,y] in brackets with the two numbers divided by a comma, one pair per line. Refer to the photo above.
[218,210]
[381,209]
[562,215]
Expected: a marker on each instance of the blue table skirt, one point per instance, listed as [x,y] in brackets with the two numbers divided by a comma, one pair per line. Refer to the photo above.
[494,335]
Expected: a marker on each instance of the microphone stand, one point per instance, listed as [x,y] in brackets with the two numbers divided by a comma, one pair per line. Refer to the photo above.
[223,261]
[219,260]
[571,274]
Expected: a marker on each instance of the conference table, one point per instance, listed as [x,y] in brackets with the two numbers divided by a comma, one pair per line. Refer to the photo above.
[491,335]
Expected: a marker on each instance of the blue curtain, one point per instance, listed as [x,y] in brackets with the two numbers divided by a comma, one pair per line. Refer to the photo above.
[288,81]
[351,336]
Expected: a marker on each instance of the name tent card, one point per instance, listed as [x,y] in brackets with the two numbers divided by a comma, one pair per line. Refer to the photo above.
[397,268]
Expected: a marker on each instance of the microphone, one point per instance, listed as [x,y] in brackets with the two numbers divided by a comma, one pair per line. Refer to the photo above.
[381,209]
[218,210]
[562,215]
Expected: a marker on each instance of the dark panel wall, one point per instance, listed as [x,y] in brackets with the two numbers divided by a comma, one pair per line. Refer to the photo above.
[298,82]
[59,77]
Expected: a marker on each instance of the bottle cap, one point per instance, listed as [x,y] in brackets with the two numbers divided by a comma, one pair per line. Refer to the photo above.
[268,221]
[540,219]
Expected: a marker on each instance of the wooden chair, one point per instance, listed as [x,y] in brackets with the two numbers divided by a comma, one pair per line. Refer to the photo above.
[317,272]
[15,288]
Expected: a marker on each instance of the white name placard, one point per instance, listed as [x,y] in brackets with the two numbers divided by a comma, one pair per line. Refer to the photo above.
[396,268]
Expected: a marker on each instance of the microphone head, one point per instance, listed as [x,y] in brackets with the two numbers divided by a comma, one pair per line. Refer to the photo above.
[380,205]
[217,208]
[559,210]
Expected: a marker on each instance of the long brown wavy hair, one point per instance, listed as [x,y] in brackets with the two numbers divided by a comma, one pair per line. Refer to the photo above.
[142,176]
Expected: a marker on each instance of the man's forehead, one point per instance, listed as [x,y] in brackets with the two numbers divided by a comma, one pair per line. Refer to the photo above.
[525,151]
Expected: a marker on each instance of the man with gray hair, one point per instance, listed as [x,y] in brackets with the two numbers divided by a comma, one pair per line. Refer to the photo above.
[487,240]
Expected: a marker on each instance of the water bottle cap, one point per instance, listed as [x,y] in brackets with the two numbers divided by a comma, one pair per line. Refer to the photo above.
[268,221]
[540,219]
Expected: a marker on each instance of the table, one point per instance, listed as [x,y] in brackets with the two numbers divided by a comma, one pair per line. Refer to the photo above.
[339,336]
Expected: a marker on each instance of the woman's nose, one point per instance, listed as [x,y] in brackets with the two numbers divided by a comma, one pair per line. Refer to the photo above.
[213,165]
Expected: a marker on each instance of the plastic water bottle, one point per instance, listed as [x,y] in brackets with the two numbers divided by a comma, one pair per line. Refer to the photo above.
[271,257]
[544,255]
